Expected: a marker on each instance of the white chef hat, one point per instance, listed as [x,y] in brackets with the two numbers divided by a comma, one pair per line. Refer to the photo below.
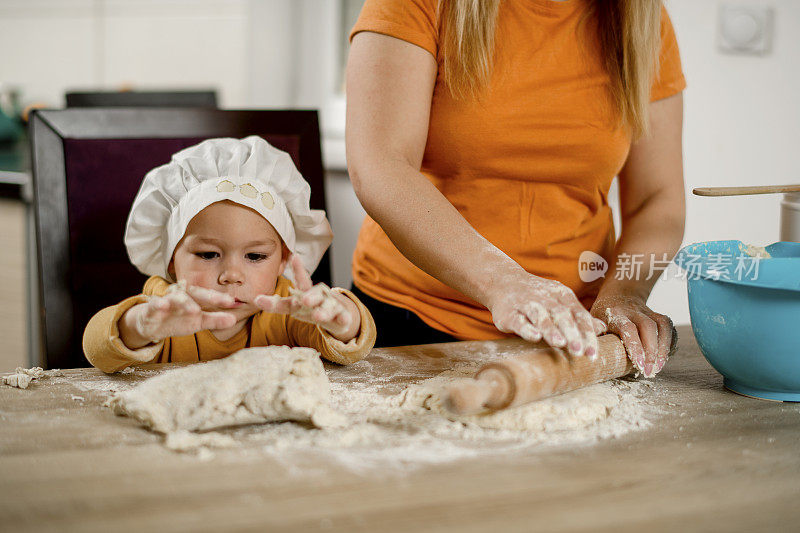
[248,171]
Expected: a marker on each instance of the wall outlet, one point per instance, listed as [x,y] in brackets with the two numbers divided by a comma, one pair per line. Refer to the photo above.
[745,29]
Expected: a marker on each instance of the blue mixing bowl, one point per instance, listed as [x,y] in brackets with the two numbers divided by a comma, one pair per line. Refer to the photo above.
[745,314]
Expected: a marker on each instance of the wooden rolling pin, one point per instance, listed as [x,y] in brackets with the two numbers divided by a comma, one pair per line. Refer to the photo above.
[535,375]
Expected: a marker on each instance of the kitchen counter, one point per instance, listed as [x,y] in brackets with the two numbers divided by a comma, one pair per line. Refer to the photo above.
[713,461]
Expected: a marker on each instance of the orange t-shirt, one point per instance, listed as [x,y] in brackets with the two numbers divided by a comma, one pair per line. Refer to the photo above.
[529,166]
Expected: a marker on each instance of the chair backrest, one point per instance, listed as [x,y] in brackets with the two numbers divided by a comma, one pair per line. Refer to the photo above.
[88,165]
[142,99]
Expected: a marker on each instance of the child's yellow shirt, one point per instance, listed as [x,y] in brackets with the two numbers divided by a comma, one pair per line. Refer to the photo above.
[105,350]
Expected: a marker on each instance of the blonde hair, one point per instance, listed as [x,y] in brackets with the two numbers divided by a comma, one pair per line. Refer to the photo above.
[628,33]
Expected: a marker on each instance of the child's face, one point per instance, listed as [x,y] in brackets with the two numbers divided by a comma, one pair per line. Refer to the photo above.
[232,249]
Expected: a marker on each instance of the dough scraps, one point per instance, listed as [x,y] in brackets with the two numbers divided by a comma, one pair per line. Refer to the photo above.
[22,377]
[254,385]
[759,252]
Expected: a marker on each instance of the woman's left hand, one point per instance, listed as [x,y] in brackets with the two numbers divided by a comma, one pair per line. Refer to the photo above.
[648,336]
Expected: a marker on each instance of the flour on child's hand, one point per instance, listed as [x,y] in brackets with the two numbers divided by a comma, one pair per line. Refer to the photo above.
[330,306]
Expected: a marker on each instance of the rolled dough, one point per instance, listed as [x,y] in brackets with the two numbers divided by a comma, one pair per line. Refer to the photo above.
[254,385]
[576,411]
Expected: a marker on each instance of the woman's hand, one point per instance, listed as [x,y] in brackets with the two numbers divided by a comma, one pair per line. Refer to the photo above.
[648,336]
[537,308]
[179,312]
[315,304]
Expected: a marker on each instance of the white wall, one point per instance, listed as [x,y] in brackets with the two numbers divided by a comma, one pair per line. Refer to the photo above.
[742,119]
[272,53]
[741,127]
[50,46]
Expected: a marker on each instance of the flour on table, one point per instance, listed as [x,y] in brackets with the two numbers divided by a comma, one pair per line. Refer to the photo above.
[363,418]
[254,385]
[184,441]
[411,428]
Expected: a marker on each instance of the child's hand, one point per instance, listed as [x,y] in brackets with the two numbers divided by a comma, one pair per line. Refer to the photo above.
[316,304]
[179,312]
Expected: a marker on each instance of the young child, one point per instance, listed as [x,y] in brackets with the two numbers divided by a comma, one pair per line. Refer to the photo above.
[225,219]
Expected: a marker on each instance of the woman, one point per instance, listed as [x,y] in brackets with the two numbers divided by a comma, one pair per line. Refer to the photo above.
[482,139]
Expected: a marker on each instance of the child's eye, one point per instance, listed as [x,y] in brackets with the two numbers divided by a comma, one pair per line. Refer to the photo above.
[207,255]
[255,257]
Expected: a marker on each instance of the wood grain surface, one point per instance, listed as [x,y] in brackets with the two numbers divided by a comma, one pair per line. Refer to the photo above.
[715,461]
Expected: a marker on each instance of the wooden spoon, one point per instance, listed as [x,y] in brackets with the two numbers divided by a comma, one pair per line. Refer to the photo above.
[739,191]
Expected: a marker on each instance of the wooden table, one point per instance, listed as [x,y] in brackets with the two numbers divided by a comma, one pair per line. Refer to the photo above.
[715,462]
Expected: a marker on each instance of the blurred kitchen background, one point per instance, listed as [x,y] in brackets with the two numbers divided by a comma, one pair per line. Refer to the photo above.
[741,127]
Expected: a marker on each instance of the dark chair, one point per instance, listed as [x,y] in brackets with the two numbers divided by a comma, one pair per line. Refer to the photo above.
[142,99]
[88,165]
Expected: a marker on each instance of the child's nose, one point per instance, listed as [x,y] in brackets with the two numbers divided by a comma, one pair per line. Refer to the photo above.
[231,274]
